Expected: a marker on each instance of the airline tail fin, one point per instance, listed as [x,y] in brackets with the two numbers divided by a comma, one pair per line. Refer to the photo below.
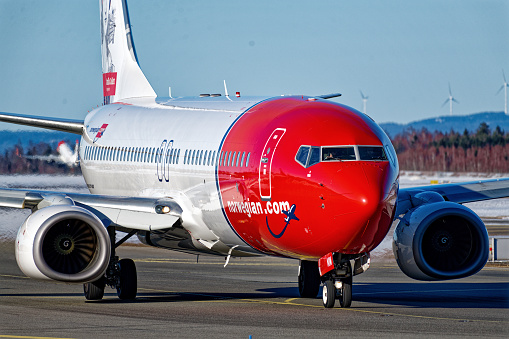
[122,76]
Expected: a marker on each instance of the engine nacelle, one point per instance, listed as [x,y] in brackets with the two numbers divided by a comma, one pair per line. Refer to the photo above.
[441,240]
[65,243]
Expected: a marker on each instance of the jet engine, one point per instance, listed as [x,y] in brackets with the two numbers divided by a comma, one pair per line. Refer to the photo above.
[440,240]
[65,243]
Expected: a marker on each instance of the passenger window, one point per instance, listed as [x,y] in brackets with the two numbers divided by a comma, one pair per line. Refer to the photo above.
[375,153]
[201,158]
[338,153]
[247,160]
[242,159]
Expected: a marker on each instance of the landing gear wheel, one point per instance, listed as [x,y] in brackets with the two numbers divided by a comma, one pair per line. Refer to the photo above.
[94,290]
[309,279]
[345,297]
[127,285]
[329,294]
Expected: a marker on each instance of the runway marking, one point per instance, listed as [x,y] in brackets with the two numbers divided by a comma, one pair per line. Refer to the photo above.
[28,337]
[14,276]
[287,302]
[40,297]
[220,299]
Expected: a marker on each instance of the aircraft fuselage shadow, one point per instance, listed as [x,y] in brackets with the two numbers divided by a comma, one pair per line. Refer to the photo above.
[434,294]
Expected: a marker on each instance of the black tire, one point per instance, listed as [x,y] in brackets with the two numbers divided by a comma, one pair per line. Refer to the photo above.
[94,290]
[309,279]
[345,298]
[329,294]
[128,284]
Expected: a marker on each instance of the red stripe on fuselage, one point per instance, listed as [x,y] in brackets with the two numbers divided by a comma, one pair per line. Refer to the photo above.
[342,207]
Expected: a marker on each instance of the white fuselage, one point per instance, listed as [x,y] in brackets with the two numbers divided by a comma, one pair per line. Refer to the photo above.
[162,151]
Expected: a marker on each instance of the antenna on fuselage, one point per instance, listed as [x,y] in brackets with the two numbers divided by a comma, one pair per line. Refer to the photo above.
[226,91]
[169,92]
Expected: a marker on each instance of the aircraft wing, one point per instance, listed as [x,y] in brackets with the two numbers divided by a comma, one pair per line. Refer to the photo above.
[146,214]
[57,124]
[459,193]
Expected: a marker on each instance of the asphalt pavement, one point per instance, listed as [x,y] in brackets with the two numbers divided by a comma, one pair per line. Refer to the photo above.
[182,297]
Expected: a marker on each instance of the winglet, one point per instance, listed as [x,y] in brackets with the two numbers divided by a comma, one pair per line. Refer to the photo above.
[122,76]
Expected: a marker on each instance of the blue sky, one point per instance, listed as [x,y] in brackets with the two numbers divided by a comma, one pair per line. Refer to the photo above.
[402,54]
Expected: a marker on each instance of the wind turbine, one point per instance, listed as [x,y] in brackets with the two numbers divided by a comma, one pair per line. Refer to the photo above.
[504,86]
[450,100]
[364,102]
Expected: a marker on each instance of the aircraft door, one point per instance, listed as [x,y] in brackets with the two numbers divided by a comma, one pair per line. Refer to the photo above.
[265,168]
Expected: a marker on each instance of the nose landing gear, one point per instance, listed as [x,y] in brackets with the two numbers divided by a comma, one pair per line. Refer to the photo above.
[337,288]
[336,274]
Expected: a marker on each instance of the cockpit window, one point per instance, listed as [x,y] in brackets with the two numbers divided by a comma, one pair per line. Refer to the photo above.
[314,157]
[338,153]
[302,155]
[308,156]
[372,153]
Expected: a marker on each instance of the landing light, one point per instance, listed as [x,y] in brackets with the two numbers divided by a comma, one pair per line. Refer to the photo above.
[161,209]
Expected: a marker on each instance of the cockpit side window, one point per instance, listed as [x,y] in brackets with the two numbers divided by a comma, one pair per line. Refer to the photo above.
[314,157]
[372,153]
[302,155]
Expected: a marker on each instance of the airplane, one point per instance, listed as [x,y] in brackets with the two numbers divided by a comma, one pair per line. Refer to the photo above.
[65,155]
[237,176]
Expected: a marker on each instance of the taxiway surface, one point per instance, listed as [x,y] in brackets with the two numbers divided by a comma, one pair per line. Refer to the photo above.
[179,297]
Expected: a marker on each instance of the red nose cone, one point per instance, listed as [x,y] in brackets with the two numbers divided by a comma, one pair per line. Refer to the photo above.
[355,214]
[305,209]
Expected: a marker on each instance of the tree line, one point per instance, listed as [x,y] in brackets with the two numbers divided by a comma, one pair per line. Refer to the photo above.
[16,160]
[480,151]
